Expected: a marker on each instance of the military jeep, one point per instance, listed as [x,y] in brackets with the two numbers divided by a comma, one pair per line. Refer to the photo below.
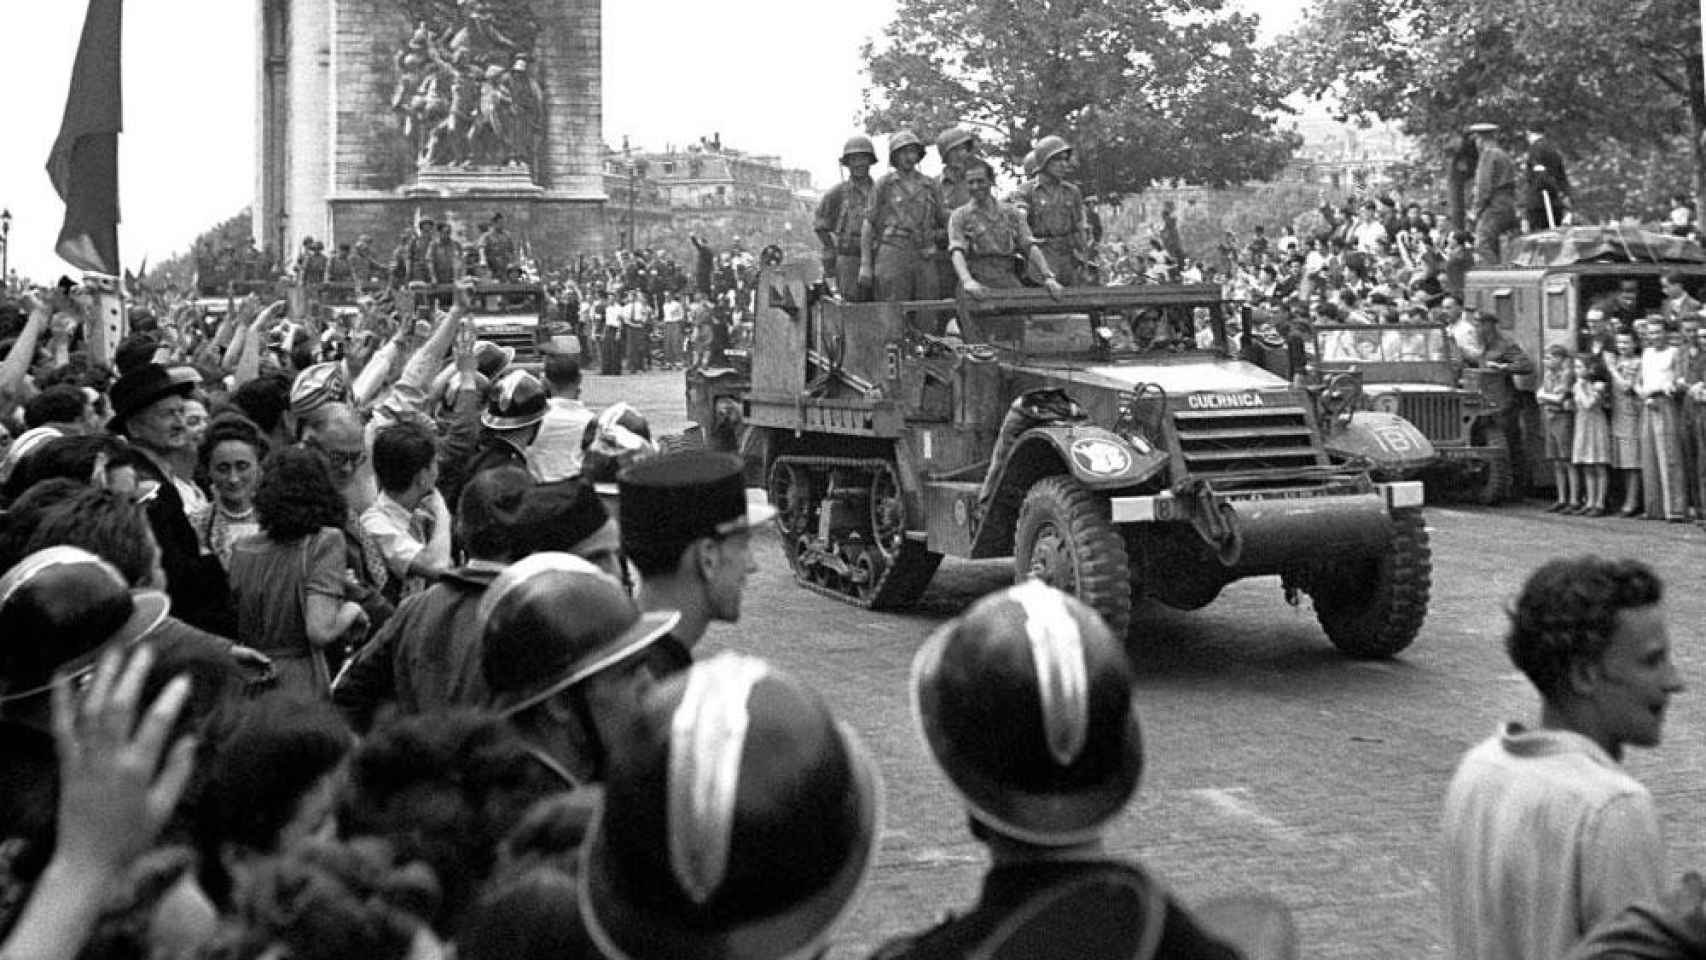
[1414,371]
[1111,442]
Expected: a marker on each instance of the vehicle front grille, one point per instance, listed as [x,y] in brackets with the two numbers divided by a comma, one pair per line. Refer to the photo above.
[1228,441]
[1439,416]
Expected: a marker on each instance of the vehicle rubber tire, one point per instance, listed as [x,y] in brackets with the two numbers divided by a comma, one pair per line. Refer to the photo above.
[1384,616]
[1494,487]
[1079,541]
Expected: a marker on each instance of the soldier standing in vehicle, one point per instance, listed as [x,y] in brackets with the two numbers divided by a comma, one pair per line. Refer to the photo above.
[497,249]
[1055,210]
[841,217]
[902,225]
[1494,202]
[1546,193]
[986,237]
[956,147]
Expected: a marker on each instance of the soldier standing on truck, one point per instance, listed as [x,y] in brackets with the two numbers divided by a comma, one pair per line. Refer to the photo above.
[986,237]
[841,217]
[956,147]
[1055,210]
[497,249]
[1494,199]
[902,225]
[1546,193]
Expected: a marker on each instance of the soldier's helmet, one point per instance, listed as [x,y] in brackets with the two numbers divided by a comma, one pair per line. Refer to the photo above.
[1050,147]
[856,145]
[903,139]
[1029,165]
[740,821]
[518,401]
[952,137]
[1025,702]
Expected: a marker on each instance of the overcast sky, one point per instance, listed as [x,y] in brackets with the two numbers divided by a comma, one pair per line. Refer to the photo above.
[674,70]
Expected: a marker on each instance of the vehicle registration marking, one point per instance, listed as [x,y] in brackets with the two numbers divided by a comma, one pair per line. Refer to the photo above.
[1225,401]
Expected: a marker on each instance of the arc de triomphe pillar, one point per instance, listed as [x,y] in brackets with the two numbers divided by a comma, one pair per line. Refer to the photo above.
[374,112]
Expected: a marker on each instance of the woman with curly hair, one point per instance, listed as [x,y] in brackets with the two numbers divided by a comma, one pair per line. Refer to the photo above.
[228,465]
[287,582]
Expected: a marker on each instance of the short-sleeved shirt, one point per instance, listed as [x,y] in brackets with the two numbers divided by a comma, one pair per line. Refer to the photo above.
[270,582]
[1055,209]
[994,230]
[905,208]
[841,213]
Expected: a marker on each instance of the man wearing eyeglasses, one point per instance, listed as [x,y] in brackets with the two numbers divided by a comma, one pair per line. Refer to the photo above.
[986,237]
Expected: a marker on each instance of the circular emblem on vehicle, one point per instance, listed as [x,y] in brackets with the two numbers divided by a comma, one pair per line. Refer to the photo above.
[1101,457]
[961,514]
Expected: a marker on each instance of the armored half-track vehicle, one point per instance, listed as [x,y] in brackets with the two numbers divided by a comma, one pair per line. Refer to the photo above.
[1414,371]
[1111,442]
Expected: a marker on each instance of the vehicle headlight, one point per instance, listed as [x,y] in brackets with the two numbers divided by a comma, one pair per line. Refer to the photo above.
[1384,402]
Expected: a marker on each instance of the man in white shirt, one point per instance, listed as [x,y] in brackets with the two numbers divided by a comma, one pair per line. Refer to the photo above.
[409,521]
[555,453]
[1544,834]
[674,314]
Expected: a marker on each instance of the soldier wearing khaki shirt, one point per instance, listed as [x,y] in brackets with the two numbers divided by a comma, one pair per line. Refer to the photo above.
[903,223]
[840,217]
[1055,210]
[986,236]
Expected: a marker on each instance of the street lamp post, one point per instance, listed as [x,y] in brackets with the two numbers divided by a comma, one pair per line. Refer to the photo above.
[5,249]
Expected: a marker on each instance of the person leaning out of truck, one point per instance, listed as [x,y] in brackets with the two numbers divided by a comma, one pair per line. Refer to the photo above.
[986,238]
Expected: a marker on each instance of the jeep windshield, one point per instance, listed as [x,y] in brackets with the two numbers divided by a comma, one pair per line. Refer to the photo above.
[1104,334]
[1386,343]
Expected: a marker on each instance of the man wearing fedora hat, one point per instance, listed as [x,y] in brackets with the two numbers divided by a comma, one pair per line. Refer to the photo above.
[687,527]
[148,409]
[1025,703]
[697,853]
[563,656]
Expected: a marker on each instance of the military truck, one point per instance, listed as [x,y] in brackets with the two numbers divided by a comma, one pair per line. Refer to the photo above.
[507,314]
[1551,279]
[1414,371]
[1111,442]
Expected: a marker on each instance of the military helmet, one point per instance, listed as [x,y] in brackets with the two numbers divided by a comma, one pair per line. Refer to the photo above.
[952,137]
[740,820]
[1030,163]
[1025,702]
[903,139]
[60,608]
[553,620]
[858,144]
[518,400]
[1050,147]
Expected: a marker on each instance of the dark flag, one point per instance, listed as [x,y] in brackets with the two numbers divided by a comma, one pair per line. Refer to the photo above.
[84,163]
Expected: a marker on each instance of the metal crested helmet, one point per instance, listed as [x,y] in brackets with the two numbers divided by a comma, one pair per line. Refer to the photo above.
[1025,702]
[858,144]
[903,139]
[59,609]
[1050,147]
[518,400]
[952,137]
[740,821]
[553,620]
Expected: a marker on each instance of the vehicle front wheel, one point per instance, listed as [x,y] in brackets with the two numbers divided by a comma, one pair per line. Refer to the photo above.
[1375,607]
[1066,538]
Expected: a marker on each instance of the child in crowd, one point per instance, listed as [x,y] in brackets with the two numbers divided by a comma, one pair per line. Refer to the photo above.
[1590,451]
[1623,369]
[1556,397]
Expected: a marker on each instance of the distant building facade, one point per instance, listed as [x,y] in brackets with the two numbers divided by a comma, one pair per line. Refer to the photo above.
[707,188]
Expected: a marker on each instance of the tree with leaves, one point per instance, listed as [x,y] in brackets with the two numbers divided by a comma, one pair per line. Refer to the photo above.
[1591,73]
[1145,90]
